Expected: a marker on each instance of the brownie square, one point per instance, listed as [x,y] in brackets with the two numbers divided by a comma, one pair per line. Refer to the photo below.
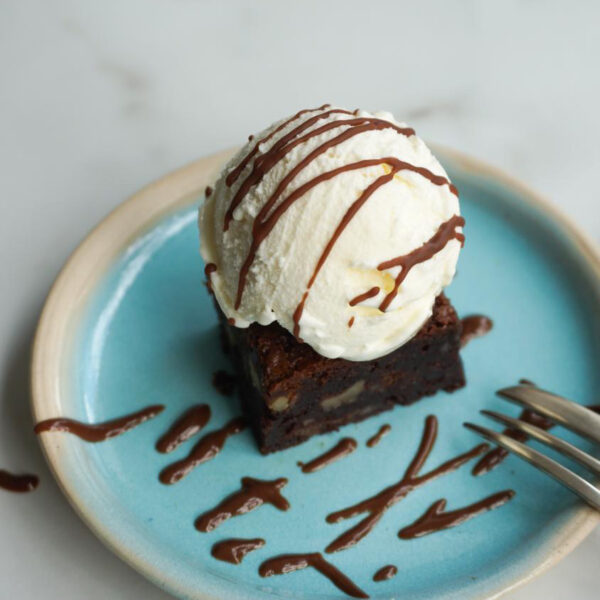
[289,392]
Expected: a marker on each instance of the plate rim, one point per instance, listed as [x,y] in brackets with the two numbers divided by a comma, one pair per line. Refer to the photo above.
[170,193]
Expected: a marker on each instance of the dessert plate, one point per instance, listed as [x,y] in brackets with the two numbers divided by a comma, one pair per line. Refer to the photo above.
[129,324]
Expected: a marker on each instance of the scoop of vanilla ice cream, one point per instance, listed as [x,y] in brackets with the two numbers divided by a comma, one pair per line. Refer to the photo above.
[342,226]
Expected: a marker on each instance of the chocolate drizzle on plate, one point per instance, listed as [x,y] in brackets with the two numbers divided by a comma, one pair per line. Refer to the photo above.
[253,493]
[99,432]
[205,449]
[18,483]
[224,382]
[187,426]
[234,550]
[344,447]
[350,322]
[436,518]
[474,326]
[288,563]
[376,506]
[383,431]
[385,573]
[208,191]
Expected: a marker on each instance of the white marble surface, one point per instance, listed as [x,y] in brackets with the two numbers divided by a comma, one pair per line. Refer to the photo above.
[98,98]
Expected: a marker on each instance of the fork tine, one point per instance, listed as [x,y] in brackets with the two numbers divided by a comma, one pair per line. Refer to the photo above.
[578,418]
[589,462]
[574,482]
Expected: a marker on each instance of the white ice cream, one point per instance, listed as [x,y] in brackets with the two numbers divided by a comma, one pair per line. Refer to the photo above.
[399,217]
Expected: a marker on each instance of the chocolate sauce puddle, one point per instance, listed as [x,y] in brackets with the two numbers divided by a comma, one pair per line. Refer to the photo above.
[207,448]
[288,563]
[234,550]
[383,431]
[18,483]
[187,426]
[99,432]
[344,447]
[474,326]
[436,519]
[385,573]
[376,506]
[253,493]
[224,382]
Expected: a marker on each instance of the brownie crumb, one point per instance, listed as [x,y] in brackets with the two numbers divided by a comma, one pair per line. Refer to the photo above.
[224,382]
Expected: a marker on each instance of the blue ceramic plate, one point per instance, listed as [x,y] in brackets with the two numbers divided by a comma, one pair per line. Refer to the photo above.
[129,323]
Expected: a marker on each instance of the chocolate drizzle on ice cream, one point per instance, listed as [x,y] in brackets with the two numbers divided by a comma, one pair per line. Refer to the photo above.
[282,176]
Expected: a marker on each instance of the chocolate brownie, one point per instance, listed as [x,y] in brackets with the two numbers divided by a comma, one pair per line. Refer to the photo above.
[289,392]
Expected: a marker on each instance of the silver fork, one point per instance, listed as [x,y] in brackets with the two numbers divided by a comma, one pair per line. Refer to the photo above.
[579,419]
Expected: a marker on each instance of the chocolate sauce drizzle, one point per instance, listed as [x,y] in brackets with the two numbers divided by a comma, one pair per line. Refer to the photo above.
[224,383]
[474,326]
[187,426]
[264,163]
[208,191]
[206,448]
[234,550]
[253,493]
[376,506]
[385,573]
[208,270]
[344,447]
[264,222]
[350,322]
[99,432]
[383,431]
[445,233]
[18,483]
[235,173]
[288,563]
[270,214]
[368,294]
[436,519]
